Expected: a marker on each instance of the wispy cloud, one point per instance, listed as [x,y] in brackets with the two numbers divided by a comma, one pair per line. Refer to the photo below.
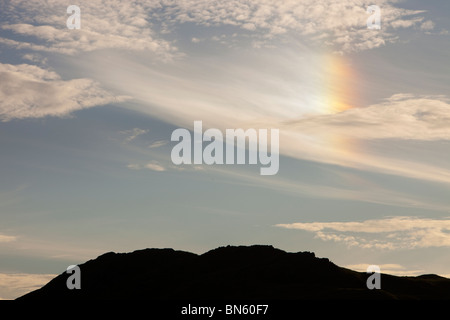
[154,167]
[401,232]
[358,189]
[402,116]
[294,106]
[14,285]
[28,91]
[133,133]
[6,238]
[337,138]
[150,166]
[387,268]
[157,144]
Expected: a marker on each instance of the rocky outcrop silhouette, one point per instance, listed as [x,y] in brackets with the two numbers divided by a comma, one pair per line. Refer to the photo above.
[243,272]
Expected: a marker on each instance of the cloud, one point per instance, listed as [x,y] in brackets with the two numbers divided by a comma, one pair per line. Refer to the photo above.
[14,285]
[157,144]
[150,166]
[345,138]
[405,23]
[279,96]
[154,167]
[133,133]
[341,24]
[5,238]
[107,24]
[390,233]
[36,58]
[427,25]
[402,116]
[134,166]
[142,25]
[387,268]
[28,91]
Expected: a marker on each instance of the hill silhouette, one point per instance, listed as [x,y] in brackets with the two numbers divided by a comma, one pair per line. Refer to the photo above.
[243,272]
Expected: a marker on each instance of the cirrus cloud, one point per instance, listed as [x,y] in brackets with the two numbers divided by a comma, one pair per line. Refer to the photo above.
[387,268]
[153,166]
[402,232]
[6,238]
[133,133]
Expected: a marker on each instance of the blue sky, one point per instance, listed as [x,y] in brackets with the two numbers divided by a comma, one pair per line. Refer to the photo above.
[86,118]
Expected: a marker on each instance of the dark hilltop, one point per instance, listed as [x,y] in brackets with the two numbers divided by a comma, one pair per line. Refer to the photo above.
[243,272]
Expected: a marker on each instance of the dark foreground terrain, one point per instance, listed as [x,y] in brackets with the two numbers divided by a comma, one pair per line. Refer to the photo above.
[255,272]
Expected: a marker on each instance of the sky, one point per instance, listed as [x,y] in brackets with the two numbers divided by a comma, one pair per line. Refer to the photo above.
[86,117]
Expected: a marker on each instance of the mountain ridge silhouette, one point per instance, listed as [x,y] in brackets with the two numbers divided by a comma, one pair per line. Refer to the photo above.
[231,272]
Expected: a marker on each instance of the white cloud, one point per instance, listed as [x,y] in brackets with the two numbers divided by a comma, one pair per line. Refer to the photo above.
[154,167]
[401,116]
[14,285]
[157,144]
[140,25]
[427,25]
[336,23]
[134,166]
[5,238]
[36,58]
[279,96]
[391,233]
[150,166]
[28,91]
[387,268]
[107,24]
[133,133]
[335,138]
[405,23]
[357,188]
